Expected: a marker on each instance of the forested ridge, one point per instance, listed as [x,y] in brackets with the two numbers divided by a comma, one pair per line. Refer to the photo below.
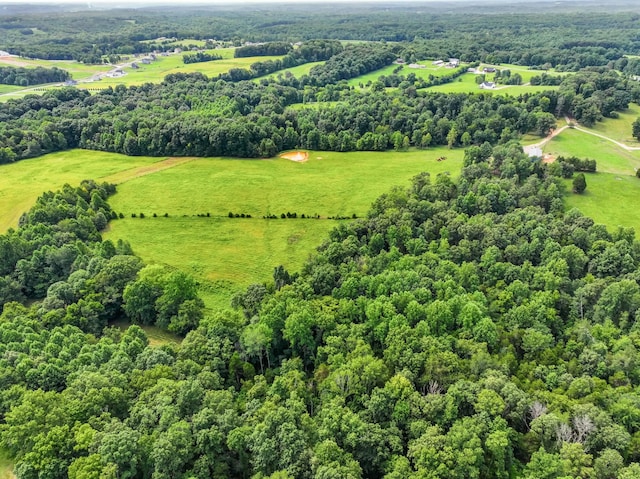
[464,329]
[531,34]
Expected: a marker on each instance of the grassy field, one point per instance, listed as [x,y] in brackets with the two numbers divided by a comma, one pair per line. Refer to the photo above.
[22,182]
[6,466]
[9,89]
[619,128]
[225,254]
[466,83]
[609,199]
[156,336]
[611,194]
[610,157]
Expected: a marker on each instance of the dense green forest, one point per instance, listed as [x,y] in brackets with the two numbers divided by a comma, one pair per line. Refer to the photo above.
[463,329]
[531,34]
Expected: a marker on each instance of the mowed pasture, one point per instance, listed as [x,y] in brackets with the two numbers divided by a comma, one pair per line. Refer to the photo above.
[620,128]
[611,197]
[229,253]
[610,157]
[22,182]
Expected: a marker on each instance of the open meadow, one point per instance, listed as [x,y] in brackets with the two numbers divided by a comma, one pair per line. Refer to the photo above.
[611,197]
[620,128]
[22,182]
[227,253]
[610,157]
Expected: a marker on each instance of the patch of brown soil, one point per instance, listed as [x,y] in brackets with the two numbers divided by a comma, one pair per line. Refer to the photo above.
[299,156]
[14,61]
[548,158]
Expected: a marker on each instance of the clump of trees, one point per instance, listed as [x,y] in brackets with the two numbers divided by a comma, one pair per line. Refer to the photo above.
[32,76]
[579,164]
[200,57]
[635,129]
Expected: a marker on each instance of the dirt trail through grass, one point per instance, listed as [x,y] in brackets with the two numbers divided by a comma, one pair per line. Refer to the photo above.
[123,176]
[621,145]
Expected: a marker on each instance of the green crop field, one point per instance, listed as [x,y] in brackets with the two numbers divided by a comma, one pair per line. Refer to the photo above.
[6,466]
[610,157]
[225,254]
[22,182]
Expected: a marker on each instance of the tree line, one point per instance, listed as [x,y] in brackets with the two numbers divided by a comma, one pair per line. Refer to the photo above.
[200,57]
[31,76]
[263,49]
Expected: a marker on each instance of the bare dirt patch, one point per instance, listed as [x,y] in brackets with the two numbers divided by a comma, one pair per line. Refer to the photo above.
[13,61]
[548,158]
[299,156]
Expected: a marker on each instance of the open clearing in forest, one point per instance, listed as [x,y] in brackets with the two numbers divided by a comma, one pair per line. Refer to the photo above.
[436,71]
[620,128]
[23,181]
[225,253]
